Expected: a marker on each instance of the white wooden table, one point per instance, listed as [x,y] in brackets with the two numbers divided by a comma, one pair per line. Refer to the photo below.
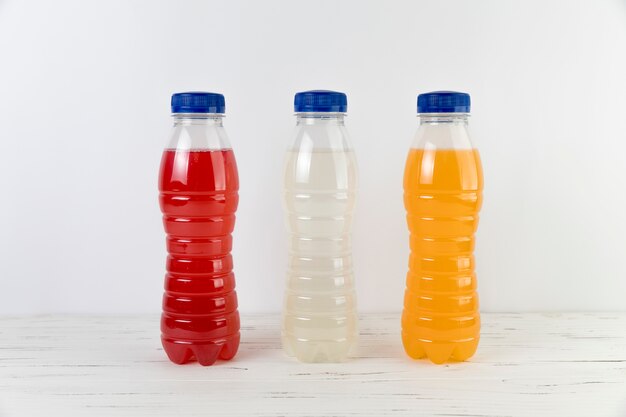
[526,365]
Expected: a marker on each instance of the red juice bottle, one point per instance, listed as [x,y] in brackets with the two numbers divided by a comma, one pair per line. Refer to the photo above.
[198,185]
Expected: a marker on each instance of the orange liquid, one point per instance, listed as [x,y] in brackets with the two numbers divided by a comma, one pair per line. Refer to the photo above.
[442,197]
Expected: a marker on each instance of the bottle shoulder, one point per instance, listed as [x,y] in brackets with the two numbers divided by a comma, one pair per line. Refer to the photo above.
[322,137]
[442,136]
[198,137]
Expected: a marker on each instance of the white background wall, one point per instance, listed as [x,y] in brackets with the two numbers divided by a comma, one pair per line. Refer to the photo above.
[84,114]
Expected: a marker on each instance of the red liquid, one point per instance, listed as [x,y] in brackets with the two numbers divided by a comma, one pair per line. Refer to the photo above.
[198,199]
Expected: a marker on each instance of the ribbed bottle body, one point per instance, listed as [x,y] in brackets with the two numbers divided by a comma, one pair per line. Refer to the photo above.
[198,196]
[443,185]
[319,315]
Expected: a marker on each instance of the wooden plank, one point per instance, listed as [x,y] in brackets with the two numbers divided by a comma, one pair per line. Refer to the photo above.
[528,364]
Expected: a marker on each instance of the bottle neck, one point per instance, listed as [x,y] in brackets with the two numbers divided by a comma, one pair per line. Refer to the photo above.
[198,119]
[333,119]
[443,118]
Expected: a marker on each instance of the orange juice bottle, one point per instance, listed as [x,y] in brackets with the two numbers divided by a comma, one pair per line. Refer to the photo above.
[442,195]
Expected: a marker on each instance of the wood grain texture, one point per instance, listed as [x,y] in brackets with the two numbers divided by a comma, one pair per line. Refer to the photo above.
[526,365]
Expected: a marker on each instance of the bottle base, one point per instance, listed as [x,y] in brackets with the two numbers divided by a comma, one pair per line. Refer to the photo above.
[205,353]
[313,351]
[439,352]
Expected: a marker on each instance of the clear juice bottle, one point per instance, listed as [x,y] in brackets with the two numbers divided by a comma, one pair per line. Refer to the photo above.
[443,185]
[320,179]
[198,185]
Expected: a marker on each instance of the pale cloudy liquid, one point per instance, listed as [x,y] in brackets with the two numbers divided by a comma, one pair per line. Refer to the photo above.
[319,315]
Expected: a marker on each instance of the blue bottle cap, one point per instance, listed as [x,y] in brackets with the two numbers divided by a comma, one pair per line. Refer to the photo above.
[443,102]
[198,102]
[322,101]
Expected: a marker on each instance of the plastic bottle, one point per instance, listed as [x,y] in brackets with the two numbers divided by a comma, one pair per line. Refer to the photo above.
[442,194]
[198,186]
[319,316]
